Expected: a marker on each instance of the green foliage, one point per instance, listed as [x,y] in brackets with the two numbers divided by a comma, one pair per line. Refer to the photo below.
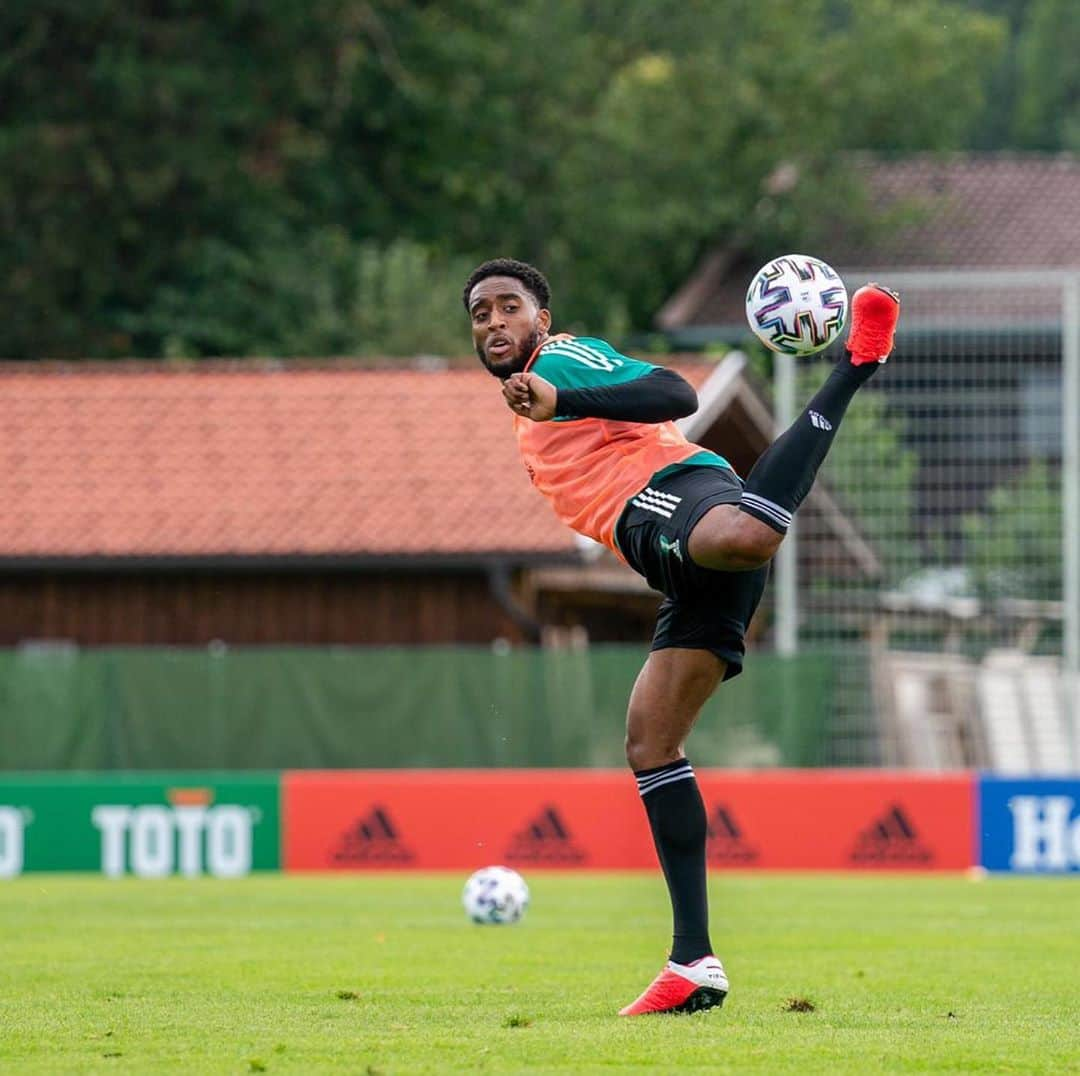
[993,128]
[727,128]
[205,179]
[1048,104]
[1014,547]
[407,303]
[1033,99]
[322,294]
[874,474]
[912,76]
[147,147]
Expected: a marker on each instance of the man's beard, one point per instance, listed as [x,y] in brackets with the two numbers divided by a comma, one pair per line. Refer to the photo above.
[513,364]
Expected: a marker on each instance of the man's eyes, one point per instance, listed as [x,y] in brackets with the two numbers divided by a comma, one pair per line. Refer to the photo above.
[509,308]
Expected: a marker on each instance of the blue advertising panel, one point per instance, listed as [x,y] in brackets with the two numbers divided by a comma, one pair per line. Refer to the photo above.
[1030,826]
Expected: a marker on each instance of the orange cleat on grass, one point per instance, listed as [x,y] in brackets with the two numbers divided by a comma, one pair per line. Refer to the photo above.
[874,313]
[683,988]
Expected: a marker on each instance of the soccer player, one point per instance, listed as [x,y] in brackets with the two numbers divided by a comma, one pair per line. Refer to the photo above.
[596,433]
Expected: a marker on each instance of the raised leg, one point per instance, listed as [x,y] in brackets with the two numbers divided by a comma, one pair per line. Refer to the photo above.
[782,477]
[735,538]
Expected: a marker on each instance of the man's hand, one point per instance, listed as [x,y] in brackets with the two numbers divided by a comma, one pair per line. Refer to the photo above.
[530,396]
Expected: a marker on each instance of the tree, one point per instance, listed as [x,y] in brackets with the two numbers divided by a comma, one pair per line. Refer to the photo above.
[686,139]
[148,151]
[1014,546]
[206,179]
[1048,103]
[873,473]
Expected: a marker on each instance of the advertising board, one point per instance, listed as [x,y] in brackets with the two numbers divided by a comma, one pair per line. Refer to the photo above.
[147,825]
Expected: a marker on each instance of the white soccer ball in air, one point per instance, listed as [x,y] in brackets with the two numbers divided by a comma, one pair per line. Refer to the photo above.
[796,304]
[495,895]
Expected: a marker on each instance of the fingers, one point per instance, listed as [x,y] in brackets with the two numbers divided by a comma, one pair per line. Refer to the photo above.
[517,395]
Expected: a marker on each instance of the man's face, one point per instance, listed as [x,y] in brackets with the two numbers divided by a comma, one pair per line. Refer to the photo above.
[507,324]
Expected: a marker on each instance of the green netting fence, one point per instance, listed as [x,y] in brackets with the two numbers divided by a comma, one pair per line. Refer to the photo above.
[271,708]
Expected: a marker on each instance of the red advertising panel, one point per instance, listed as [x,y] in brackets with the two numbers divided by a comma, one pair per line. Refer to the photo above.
[839,820]
[593,819]
[432,819]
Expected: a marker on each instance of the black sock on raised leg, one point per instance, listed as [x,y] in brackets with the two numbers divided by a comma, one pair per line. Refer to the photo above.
[680,829]
[785,471]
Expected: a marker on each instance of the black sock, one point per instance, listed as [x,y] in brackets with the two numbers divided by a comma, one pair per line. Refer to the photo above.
[679,827]
[785,471]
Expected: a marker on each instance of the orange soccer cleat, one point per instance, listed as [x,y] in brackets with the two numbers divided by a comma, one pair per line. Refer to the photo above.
[683,988]
[874,313]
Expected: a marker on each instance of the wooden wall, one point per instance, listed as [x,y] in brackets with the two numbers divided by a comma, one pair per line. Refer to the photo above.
[177,609]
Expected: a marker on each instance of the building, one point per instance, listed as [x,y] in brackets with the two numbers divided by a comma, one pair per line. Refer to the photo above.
[309,503]
[926,212]
[1011,214]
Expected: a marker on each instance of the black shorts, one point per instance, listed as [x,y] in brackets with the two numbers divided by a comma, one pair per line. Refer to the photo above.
[702,609]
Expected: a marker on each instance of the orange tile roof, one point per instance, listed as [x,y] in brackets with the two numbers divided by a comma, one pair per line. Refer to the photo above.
[979,210]
[262,459]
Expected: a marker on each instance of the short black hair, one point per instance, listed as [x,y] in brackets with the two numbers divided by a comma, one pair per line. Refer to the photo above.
[535,282]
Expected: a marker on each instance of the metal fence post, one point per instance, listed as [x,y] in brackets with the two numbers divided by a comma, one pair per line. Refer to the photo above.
[1070,487]
[787,558]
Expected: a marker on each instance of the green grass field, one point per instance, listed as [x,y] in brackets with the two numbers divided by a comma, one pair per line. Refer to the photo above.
[382,974]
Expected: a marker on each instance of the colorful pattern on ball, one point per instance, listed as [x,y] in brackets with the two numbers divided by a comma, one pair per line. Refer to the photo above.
[796,304]
[495,896]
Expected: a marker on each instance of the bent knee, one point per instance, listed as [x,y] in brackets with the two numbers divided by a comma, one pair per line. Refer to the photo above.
[733,540]
[741,545]
[751,552]
[646,753]
[740,554]
[753,541]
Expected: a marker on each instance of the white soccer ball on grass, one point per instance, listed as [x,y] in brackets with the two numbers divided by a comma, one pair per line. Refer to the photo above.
[495,895]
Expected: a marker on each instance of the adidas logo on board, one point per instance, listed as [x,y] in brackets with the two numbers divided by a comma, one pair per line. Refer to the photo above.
[545,840]
[726,844]
[371,840]
[891,841]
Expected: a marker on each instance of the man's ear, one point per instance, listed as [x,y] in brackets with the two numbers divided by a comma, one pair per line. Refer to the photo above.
[543,319]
